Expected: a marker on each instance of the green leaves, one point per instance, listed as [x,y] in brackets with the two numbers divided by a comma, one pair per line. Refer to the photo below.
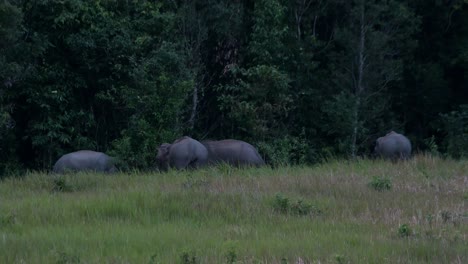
[268,32]
[293,77]
[455,127]
[259,102]
[104,71]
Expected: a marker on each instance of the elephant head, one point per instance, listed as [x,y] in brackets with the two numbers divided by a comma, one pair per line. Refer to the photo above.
[162,158]
[183,153]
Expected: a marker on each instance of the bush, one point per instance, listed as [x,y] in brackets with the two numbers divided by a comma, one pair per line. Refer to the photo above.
[301,208]
[381,184]
[230,248]
[432,146]
[137,147]
[7,219]
[188,258]
[404,230]
[60,185]
[455,126]
[283,205]
[288,150]
[67,258]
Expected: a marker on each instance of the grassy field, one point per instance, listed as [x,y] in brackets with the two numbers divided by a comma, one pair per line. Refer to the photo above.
[337,212]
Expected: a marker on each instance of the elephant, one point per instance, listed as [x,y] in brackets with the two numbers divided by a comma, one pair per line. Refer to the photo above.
[233,152]
[183,153]
[393,146]
[85,160]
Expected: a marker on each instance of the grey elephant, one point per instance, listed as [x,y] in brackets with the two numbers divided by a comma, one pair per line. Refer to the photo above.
[233,152]
[183,153]
[85,160]
[393,146]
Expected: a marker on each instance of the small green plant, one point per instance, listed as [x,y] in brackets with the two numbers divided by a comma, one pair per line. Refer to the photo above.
[225,169]
[7,220]
[301,208]
[404,230]
[446,216]
[188,258]
[65,258]
[380,183]
[281,203]
[60,185]
[153,259]
[230,249]
[231,256]
[340,259]
[192,182]
[432,145]
[429,218]
[465,196]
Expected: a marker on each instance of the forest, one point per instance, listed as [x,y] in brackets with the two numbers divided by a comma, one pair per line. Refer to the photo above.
[302,80]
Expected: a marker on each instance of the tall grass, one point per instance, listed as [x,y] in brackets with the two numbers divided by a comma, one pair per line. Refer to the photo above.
[222,214]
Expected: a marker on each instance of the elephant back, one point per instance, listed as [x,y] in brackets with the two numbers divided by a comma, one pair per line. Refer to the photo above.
[232,151]
[393,146]
[84,160]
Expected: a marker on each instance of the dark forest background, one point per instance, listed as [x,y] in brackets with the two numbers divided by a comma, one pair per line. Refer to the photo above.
[303,80]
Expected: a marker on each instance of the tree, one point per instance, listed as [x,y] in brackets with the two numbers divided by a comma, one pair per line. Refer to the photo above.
[107,75]
[435,77]
[370,45]
[257,100]
[455,128]
[12,68]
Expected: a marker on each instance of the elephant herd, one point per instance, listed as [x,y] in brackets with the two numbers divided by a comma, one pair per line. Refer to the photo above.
[188,153]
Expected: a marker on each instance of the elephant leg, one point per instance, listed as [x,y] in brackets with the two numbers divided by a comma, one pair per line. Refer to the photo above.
[181,164]
[195,164]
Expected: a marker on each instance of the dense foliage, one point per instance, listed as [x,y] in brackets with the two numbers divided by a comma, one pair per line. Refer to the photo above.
[302,80]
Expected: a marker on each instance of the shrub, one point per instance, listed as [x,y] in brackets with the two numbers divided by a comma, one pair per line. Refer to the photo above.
[404,230]
[380,184]
[66,258]
[231,256]
[431,145]
[188,258]
[301,208]
[7,219]
[340,259]
[283,205]
[288,150]
[455,126]
[446,216]
[154,259]
[60,185]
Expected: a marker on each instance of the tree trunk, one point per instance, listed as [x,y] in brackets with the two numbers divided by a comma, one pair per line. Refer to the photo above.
[194,106]
[359,88]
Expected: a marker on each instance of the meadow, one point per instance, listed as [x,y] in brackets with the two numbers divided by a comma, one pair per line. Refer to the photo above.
[363,211]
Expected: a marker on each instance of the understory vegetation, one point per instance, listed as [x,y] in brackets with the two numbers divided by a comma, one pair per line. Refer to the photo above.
[364,211]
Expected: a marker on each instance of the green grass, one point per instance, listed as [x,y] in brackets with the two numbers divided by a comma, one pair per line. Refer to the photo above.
[329,213]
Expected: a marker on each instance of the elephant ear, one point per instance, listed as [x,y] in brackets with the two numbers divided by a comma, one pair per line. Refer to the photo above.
[377,142]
